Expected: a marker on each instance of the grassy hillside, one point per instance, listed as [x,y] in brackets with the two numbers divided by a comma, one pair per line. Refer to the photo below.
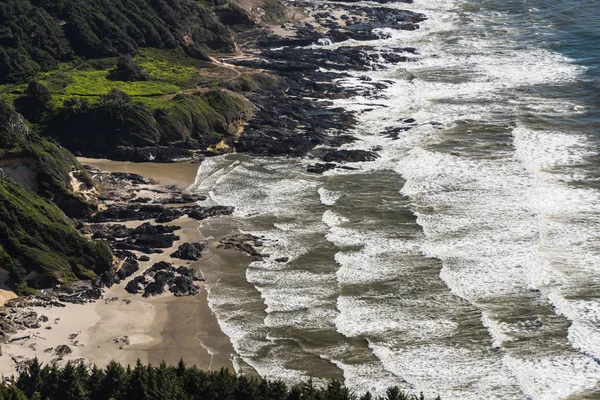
[171,99]
[36,236]
[37,36]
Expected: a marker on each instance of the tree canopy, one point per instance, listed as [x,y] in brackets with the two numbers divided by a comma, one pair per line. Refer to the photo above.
[162,382]
[36,35]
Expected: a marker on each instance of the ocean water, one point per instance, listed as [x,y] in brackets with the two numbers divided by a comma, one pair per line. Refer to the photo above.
[465,261]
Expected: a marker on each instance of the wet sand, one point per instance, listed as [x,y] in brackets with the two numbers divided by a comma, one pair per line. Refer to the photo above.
[179,174]
[125,327]
[165,327]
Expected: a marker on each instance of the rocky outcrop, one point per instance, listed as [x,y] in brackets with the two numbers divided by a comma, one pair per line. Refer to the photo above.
[200,213]
[179,281]
[342,156]
[190,251]
[245,243]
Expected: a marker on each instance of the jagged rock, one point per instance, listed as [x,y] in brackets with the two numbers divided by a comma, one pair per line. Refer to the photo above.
[153,289]
[244,243]
[169,215]
[161,241]
[159,266]
[394,132]
[183,286]
[194,274]
[62,350]
[200,213]
[134,286]
[134,212]
[350,156]
[190,251]
[112,231]
[128,268]
[149,229]
[182,198]
[319,168]
[142,200]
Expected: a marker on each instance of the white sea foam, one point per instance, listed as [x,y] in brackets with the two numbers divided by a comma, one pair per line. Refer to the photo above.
[497,207]
[328,197]
[551,378]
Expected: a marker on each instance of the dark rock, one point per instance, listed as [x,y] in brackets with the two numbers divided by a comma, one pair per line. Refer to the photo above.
[394,132]
[161,241]
[190,251]
[200,213]
[149,229]
[320,168]
[153,289]
[103,231]
[169,215]
[194,274]
[135,285]
[350,156]
[131,178]
[183,286]
[282,259]
[182,198]
[144,258]
[62,350]
[142,200]
[129,266]
[244,243]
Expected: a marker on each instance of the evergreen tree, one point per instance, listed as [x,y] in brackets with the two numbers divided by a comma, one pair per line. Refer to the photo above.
[164,385]
[366,396]
[51,379]
[394,393]
[38,94]
[137,384]
[12,393]
[113,383]
[94,382]
[71,386]
[336,391]
[127,70]
[30,381]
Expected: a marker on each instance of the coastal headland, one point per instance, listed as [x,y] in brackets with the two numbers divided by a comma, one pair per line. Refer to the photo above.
[261,83]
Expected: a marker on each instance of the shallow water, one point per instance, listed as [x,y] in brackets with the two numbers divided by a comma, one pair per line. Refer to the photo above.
[465,260]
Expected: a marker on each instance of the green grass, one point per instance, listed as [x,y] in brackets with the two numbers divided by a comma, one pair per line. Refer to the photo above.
[170,71]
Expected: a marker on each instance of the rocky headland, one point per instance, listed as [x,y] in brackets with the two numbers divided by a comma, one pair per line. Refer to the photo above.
[270,94]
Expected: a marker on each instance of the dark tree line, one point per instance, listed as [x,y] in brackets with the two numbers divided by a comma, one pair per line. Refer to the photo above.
[36,35]
[147,382]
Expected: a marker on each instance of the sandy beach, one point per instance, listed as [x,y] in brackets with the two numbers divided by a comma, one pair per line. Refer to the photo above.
[124,327]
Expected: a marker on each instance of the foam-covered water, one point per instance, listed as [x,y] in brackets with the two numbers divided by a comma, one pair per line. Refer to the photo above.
[465,260]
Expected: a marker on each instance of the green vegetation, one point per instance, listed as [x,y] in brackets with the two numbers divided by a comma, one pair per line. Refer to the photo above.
[78,382]
[127,70]
[95,76]
[37,36]
[275,11]
[35,236]
[52,164]
[115,120]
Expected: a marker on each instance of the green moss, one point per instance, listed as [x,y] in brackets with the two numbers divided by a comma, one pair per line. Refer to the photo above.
[275,11]
[36,236]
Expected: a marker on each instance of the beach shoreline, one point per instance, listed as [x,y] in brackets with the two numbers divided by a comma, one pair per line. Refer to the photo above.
[124,327]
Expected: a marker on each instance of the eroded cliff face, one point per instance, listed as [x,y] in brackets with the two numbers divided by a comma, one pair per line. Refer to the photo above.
[39,244]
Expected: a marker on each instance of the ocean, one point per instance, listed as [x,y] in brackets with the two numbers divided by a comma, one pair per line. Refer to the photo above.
[465,261]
